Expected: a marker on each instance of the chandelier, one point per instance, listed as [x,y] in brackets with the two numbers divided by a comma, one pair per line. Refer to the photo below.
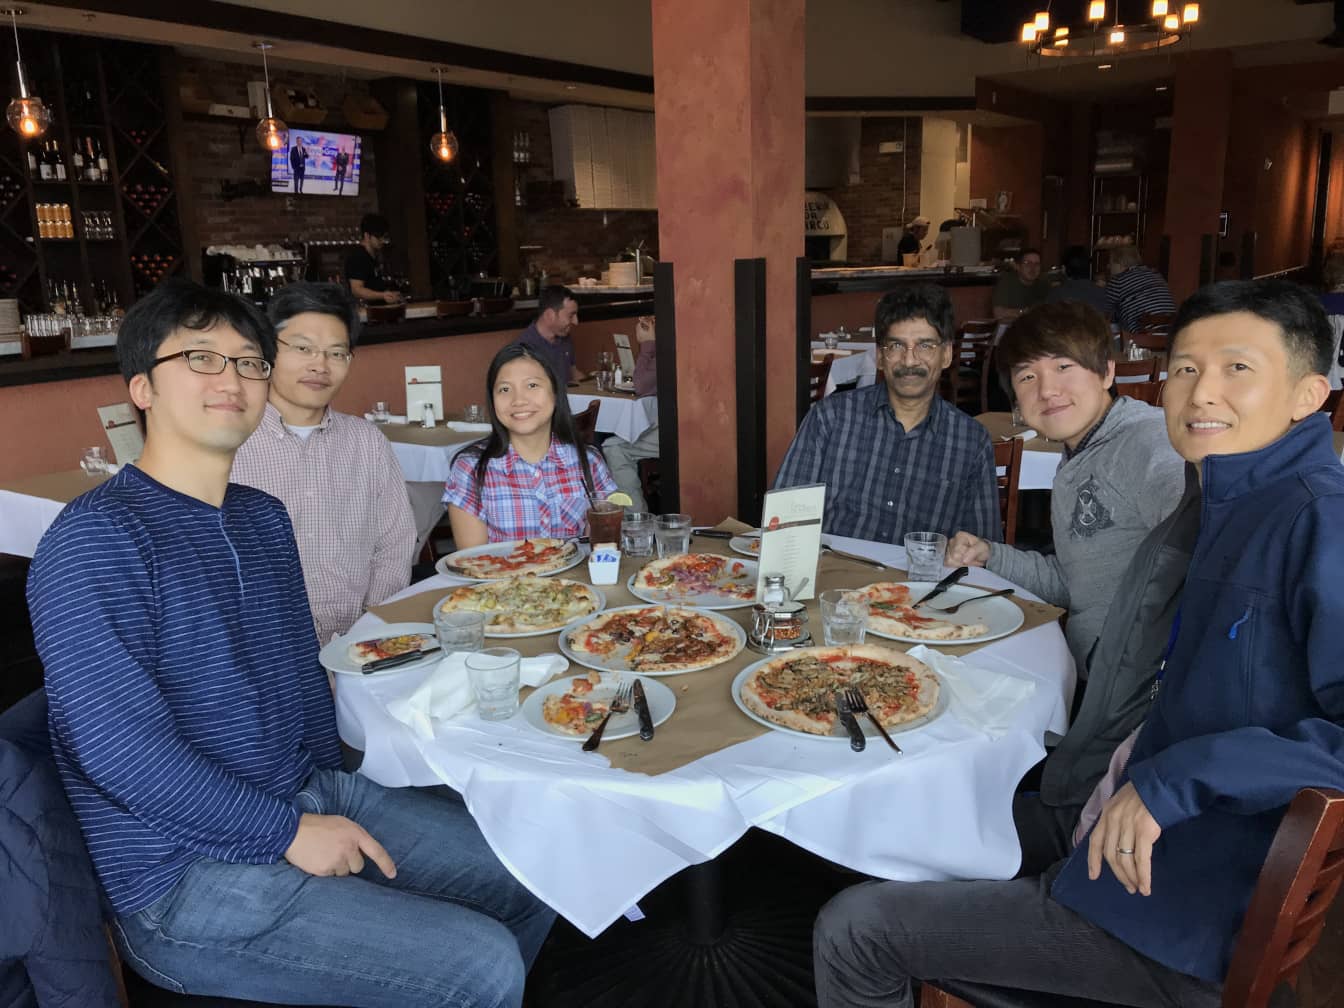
[1102,33]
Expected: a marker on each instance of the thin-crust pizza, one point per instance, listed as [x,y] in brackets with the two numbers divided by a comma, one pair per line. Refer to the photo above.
[576,712]
[524,604]
[691,574]
[797,690]
[526,556]
[366,651]
[890,613]
[654,639]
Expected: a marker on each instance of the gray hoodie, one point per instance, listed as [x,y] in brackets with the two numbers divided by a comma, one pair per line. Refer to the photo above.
[1105,499]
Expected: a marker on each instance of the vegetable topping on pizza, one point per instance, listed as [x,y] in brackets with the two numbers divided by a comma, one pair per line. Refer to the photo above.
[890,613]
[570,712]
[528,556]
[699,574]
[655,639]
[524,604]
[366,651]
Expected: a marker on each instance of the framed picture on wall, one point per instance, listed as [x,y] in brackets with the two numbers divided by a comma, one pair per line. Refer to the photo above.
[1004,201]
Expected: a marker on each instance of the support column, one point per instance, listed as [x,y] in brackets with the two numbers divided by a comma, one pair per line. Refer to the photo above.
[729,119]
[1200,122]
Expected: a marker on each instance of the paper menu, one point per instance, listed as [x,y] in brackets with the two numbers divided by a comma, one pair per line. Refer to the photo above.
[423,385]
[624,354]
[123,432]
[791,538]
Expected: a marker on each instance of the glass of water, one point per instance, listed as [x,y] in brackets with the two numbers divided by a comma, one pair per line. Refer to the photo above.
[380,412]
[637,534]
[93,462]
[460,631]
[494,675]
[473,414]
[844,616]
[673,534]
[924,555]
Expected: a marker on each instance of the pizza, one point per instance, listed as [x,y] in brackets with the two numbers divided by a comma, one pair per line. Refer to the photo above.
[654,639]
[797,690]
[525,603]
[366,651]
[699,574]
[890,613]
[527,556]
[576,712]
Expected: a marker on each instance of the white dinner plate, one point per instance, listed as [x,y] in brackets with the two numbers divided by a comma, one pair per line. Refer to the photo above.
[838,734]
[503,549]
[662,702]
[619,666]
[601,604]
[1001,615]
[747,545]
[704,600]
[335,657]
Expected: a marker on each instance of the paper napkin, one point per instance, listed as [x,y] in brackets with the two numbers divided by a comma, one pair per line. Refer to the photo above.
[391,418]
[982,699]
[462,427]
[446,692]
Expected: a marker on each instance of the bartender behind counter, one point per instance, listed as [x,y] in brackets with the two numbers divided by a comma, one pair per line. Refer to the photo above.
[363,269]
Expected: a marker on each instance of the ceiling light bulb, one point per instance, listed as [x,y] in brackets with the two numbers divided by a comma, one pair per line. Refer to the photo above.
[1096,10]
[444,145]
[273,134]
[1191,13]
[1029,31]
[1172,22]
[28,117]
[1117,37]
[1159,8]
[1062,32]
[1042,21]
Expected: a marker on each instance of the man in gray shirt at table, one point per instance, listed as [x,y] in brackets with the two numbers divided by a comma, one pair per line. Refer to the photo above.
[896,457]
[557,315]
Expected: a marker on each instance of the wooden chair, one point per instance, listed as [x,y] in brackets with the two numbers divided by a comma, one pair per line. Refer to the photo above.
[1297,884]
[1144,391]
[651,483]
[1334,406]
[819,373]
[1148,370]
[963,384]
[585,423]
[1008,456]
[1337,417]
[1156,322]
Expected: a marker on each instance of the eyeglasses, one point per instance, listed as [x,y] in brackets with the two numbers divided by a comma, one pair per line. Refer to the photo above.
[211,363]
[311,353]
[924,348]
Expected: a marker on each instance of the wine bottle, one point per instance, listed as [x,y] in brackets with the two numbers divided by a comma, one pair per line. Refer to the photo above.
[58,162]
[77,160]
[91,171]
[32,163]
[45,171]
[103,169]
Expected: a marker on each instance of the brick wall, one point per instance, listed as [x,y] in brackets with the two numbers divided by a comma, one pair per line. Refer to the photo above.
[889,190]
[215,156]
[576,242]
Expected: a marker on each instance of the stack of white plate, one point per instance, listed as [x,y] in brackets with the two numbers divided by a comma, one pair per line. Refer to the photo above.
[10,324]
[623,274]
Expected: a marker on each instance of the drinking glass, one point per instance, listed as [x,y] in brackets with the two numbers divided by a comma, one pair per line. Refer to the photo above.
[473,414]
[604,382]
[494,675]
[604,522]
[604,360]
[1018,419]
[637,534]
[844,616]
[924,552]
[380,412]
[93,462]
[460,631]
[673,534]
[831,340]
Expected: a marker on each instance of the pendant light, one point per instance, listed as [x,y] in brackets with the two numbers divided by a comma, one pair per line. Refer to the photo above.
[27,114]
[1096,10]
[272,133]
[1159,8]
[443,144]
[1042,21]
[1190,14]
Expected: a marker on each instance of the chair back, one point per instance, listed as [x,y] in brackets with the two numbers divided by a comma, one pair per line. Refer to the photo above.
[964,383]
[1149,370]
[1149,340]
[977,327]
[1144,391]
[1299,880]
[1008,457]
[585,423]
[1334,405]
[819,373]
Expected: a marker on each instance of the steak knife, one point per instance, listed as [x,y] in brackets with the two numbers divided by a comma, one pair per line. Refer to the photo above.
[943,585]
[642,709]
[857,741]
[402,659]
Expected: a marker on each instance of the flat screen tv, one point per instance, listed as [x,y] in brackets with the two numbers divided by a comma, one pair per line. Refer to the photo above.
[316,163]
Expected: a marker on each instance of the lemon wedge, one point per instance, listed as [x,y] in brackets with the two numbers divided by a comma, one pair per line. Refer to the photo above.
[623,499]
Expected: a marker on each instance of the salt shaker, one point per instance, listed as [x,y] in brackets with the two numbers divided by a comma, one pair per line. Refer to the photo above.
[428,415]
[774,592]
[617,377]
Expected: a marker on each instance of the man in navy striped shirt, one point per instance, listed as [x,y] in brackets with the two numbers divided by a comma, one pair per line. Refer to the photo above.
[195,733]
[895,456]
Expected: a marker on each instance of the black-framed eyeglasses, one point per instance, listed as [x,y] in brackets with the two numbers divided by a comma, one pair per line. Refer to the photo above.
[923,348]
[311,353]
[211,363]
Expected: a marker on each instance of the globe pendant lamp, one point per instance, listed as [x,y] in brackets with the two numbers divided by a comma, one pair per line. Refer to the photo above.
[443,144]
[27,114]
[272,133]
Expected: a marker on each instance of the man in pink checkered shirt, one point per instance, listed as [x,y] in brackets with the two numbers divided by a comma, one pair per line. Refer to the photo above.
[335,473]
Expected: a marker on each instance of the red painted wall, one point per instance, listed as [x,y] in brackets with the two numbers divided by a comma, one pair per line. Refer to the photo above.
[1011,158]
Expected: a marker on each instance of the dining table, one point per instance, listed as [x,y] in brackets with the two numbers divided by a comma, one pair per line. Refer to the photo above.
[593,833]
[28,506]
[853,363]
[620,411]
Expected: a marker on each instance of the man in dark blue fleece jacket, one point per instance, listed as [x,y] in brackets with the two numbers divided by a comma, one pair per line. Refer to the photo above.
[1250,709]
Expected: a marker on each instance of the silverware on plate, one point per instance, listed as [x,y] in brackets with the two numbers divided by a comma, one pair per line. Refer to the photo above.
[943,585]
[620,703]
[974,598]
[859,705]
[877,565]
[857,742]
[642,710]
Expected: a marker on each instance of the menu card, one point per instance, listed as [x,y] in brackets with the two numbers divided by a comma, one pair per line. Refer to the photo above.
[791,538]
[423,385]
[624,354]
[123,431]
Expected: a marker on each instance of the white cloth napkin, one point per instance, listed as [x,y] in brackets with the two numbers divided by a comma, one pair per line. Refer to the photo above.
[982,699]
[446,692]
[462,427]
[1026,435]
[391,418]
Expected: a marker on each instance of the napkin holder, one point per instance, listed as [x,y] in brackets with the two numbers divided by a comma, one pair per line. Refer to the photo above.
[604,565]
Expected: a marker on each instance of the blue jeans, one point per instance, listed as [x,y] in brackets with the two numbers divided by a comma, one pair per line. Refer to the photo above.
[454,928]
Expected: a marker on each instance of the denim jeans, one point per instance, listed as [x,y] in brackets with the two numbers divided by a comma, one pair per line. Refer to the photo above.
[454,928]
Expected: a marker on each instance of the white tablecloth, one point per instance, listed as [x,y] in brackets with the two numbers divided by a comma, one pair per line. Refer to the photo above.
[1038,469]
[625,416]
[561,820]
[426,463]
[23,520]
[860,365]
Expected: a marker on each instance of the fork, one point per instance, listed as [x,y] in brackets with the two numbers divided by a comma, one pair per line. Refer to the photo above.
[974,598]
[620,703]
[858,705]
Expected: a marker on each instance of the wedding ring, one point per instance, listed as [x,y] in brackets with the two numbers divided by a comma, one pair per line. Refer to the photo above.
[1124,850]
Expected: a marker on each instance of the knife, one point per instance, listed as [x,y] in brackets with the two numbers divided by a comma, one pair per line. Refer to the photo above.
[642,709]
[711,533]
[857,742]
[943,585]
[395,660]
